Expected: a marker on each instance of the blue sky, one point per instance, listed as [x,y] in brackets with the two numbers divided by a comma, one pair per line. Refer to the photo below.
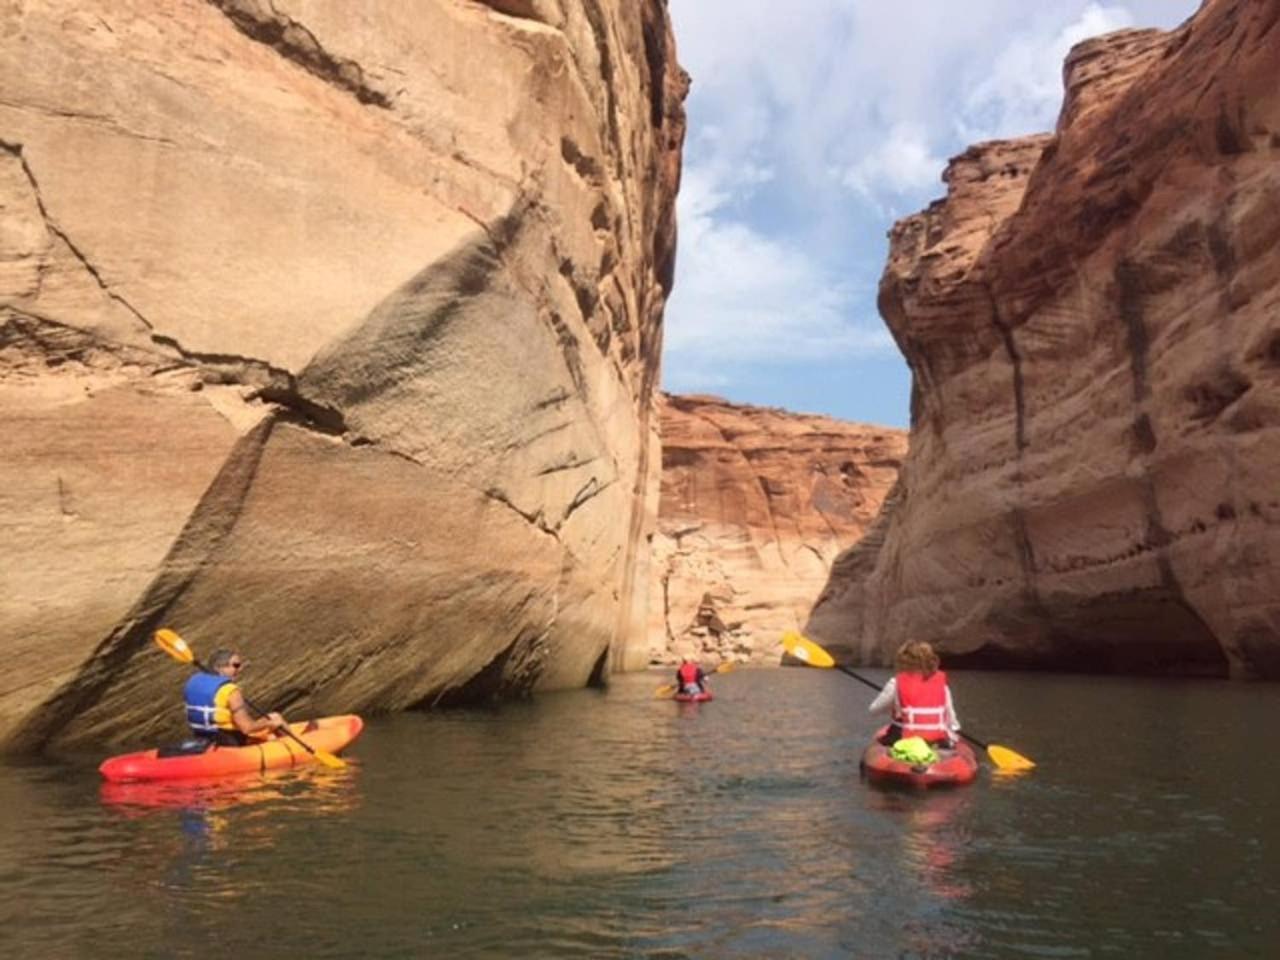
[813,125]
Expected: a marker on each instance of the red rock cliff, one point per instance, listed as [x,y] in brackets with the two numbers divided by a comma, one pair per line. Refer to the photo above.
[328,330]
[756,504]
[1090,318]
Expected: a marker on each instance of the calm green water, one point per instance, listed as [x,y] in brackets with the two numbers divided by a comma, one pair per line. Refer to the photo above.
[610,824]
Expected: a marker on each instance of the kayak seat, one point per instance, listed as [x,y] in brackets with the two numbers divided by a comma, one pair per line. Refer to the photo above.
[185,749]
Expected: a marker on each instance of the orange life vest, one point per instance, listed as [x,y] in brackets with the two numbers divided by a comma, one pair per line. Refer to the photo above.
[922,705]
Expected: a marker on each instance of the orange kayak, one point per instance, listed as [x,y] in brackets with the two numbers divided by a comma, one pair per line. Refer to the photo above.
[952,768]
[329,734]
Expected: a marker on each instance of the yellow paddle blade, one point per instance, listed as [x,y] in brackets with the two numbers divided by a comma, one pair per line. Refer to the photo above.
[806,650]
[725,667]
[1007,759]
[172,644]
[329,760]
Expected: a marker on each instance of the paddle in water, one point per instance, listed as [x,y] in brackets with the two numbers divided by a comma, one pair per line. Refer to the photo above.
[669,689]
[806,651]
[172,644]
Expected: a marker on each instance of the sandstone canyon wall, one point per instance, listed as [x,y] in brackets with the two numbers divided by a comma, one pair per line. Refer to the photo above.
[1091,322]
[756,504]
[328,330]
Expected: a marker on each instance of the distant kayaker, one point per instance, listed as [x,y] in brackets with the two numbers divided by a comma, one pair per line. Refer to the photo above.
[918,698]
[216,709]
[689,677]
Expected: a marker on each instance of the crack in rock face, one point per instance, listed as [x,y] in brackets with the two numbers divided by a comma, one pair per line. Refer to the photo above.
[293,41]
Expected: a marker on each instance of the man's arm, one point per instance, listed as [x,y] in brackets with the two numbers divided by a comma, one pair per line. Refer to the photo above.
[245,722]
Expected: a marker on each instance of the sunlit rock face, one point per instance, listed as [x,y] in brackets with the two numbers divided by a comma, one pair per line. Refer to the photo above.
[1090,318]
[756,504]
[328,330]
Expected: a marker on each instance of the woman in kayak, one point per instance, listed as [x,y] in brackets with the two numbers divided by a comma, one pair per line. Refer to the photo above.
[216,710]
[689,677]
[918,697]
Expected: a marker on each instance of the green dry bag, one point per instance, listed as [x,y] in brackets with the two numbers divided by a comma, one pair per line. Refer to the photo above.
[913,750]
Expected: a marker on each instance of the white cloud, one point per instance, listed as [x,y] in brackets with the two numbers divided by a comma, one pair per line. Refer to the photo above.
[1022,93]
[901,163]
[742,297]
[867,95]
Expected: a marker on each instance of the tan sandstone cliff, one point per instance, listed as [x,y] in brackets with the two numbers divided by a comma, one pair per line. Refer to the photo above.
[1091,321]
[756,504]
[328,330]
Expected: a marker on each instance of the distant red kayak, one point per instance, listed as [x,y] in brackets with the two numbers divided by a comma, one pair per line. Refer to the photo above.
[953,768]
[329,734]
[694,697]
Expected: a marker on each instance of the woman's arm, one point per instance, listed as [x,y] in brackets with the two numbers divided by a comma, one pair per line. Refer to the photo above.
[953,721]
[886,698]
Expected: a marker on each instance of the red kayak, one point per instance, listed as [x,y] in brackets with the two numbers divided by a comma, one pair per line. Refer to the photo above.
[694,697]
[952,769]
[329,734]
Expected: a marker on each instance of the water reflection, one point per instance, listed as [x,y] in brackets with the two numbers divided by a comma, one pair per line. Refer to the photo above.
[934,835]
[930,840]
[192,830]
[323,792]
[611,825]
[558,803]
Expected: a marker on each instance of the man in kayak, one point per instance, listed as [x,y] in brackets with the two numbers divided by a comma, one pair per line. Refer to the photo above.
[689,677]
[918,698]
[216,710]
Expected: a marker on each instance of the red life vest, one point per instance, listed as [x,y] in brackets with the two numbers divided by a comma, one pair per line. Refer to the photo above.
[688,674]
[922,705]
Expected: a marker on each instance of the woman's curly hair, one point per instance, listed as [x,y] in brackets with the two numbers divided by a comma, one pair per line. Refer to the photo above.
[916,656]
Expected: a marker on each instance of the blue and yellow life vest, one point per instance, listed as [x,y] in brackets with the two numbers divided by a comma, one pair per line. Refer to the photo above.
[206,696]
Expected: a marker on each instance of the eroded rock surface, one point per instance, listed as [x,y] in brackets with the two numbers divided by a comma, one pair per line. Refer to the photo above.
[756,504]
[328,330]
[1090,318]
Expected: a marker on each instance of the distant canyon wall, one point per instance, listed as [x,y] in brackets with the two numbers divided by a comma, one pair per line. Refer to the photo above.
[330,331]
[756,504]
[1091,322]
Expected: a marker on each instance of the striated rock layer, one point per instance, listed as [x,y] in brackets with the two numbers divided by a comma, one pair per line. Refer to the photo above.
[756,504]
[1090,318]
[328,330]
